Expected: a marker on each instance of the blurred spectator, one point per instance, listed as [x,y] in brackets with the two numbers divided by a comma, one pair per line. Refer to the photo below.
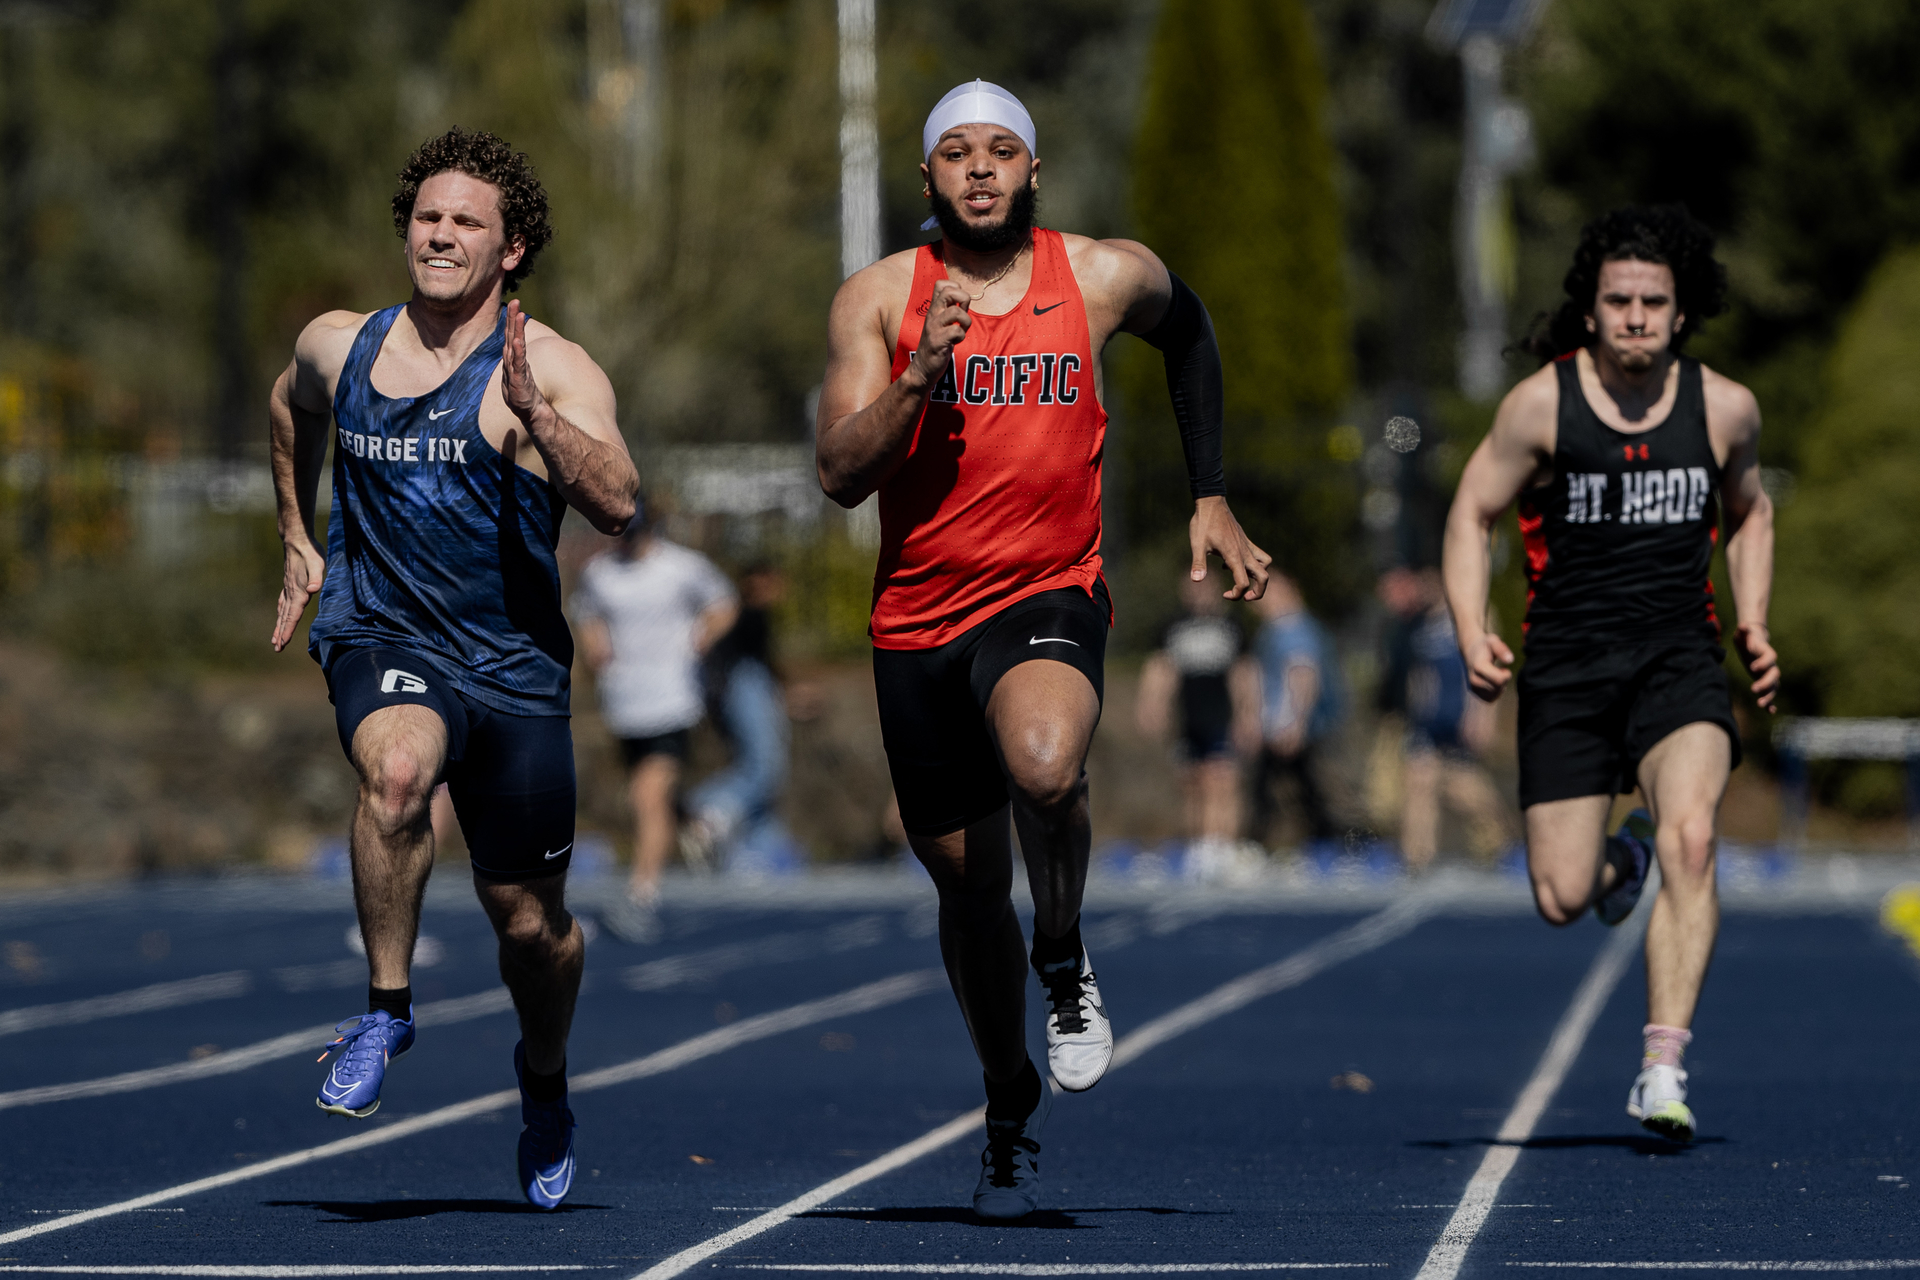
[1201,668]
[1400,591]
[745,700]
[1302,701]
[648,611]
[1447,728]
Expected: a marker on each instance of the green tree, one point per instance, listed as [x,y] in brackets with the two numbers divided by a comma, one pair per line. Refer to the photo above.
[1234,188]
[1847,611]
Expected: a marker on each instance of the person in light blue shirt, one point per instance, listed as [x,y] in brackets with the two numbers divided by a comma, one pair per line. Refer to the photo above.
[1302,702]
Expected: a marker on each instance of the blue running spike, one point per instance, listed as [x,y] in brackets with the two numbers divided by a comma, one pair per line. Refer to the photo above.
[546,1144]
[1631,852]
[366,1045]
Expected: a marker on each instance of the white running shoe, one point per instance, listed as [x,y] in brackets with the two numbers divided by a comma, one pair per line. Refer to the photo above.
[1009,1184]
[1658,1101]
[1079,1037]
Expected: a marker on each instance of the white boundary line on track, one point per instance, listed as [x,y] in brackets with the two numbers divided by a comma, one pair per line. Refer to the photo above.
[1853,1264]
[318,1269]
[861,999]
[1374,931]
[1483,1189]
[161,995]
[1048,1268]
[439,1013]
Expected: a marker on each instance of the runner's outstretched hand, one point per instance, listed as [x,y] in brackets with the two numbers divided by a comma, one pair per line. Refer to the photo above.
[1213,529]
[305,569]
[1762,663]
[517,386]
[1489,664]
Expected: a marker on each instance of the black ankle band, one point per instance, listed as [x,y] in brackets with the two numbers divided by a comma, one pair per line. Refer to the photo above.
[541,1088]
[397,1001]
[1055,950]
[1017,1098]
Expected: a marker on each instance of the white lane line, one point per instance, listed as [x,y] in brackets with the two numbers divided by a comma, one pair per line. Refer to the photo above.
[161,995]
[1371,932]
[1853,1264]
[1450,1250]
[862,999]
[1048,1268]
[779,948]
[291,1270]
[439,1013]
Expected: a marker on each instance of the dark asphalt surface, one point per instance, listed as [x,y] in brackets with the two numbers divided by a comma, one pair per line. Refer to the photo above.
[1230,1145]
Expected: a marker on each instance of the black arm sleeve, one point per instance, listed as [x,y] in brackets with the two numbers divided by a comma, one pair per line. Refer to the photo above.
[1185,337]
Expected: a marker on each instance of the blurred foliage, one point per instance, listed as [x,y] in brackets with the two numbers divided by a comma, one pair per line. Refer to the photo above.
[1234,188]
[1847,607]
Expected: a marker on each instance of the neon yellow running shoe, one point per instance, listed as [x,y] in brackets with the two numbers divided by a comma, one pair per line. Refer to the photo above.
[1658,1101]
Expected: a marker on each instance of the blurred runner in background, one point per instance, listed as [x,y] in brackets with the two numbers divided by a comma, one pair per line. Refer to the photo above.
[648,612]
[1446,732]
[1200,687]
[1302,702]
[744,699]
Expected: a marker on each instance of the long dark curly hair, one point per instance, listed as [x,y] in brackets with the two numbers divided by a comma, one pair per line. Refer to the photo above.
[1662,233]
[523,201]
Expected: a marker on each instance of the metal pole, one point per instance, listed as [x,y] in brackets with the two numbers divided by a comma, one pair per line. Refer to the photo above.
[1478,224]
[859,140]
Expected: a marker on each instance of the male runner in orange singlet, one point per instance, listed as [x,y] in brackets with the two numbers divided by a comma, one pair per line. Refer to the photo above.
[1622,452]
[963,385]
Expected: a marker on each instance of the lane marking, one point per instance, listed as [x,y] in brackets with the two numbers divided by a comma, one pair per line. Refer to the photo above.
[1450,1250]
[1374,931]
[862,999]
[326,1269]
[1048,1268]
[779,948]
[1854,1264]
[161,995]
[439,1013]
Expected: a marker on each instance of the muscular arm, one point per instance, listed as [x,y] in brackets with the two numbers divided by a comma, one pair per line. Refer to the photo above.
[567,407]
[298,411]
[867,416]
[1513,456]
[1734,416]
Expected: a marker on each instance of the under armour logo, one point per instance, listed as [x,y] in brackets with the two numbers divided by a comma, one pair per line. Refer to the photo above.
[1627,449]
[398,681]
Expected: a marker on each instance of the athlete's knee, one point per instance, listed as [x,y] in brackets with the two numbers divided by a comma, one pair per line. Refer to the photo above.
[1559,900]
[398,787]
[1047,782]
[536,935]
[1692,838]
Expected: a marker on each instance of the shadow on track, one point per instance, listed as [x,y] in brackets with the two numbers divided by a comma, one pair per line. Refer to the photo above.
[399,1210]
[1645,1144]
[1045,1219]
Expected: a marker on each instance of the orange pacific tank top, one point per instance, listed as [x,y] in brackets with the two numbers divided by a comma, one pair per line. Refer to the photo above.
[999,496]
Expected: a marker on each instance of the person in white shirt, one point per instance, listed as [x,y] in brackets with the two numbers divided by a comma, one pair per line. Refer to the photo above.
[648,611]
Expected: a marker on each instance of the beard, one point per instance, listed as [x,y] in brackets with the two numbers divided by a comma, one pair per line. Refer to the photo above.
[1013,229]
[1636,359]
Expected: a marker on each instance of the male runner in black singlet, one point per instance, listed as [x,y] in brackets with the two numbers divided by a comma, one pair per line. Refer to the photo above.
[963,387]
[1622,451]
[464,432]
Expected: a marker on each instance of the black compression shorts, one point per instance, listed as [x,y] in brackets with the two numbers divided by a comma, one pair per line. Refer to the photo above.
[1589,716]
[933,702]
[510,777]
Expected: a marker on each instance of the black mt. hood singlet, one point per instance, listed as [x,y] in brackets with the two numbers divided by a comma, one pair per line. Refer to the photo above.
[1620,543]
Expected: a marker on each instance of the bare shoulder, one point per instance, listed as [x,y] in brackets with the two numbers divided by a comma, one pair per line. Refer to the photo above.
[323,345]
[1732,411]
[549,352]
[1117,269]
[1529,413]
[879,284]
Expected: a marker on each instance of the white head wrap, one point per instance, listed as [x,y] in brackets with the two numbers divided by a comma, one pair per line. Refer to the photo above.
[976,102]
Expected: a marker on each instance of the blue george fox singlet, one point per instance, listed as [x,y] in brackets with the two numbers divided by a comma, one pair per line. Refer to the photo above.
[436,544]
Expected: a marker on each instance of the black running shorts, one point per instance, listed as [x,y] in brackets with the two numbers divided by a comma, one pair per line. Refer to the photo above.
[510,777]
[1589,716]
[673,743]
[933,702]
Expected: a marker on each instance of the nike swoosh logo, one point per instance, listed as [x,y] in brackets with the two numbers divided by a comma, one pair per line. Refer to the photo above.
[1053,640]
[432,416]
[557,852]
[1040,310]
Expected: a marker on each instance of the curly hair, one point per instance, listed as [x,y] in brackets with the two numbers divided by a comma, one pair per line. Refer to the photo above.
[1666,234]
[523,201]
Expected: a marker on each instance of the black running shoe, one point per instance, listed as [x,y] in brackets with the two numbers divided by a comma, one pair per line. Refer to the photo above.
[1630,850]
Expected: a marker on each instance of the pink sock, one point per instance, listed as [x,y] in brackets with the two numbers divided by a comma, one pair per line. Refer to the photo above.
[1664,1045]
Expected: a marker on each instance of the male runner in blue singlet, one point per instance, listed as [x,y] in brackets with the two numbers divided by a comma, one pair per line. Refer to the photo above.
[1623,453]
[464,430]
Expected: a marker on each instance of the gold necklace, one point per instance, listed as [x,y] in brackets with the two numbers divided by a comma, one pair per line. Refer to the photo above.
[1001,274]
